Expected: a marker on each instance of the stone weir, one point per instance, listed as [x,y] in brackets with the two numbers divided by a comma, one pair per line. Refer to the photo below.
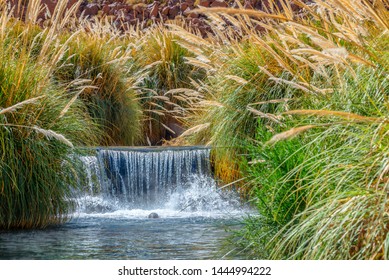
[140,176]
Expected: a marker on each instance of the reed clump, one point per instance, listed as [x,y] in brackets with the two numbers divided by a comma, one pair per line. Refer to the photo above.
[237,89]
[307,127]
[40,127]
[163,84]
[100,66]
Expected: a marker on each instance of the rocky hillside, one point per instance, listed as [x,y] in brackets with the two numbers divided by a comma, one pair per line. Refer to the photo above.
[126,13]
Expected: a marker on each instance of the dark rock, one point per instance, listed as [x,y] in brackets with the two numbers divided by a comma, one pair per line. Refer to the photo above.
[259,28]
[165,11]
[128,7]
[219,4]
[205,3]
[124,15]
[91,10]
[173,12]
[154,11]
[114,8]
[153,215]
[193,15]
[258,5]
[50,5]
[106,9]
[190,3]
[183,7]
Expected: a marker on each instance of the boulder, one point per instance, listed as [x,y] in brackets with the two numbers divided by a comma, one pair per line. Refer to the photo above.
[193,15]
[165,11]
[91,10]
[106,9]
[183,7]
[173,2]
[153,215]
[205,3]
[190,3]
[219,4]
[154,11]
[114,8]
[174,11]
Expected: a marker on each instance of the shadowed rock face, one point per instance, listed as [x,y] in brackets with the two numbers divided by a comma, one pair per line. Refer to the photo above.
[124,15]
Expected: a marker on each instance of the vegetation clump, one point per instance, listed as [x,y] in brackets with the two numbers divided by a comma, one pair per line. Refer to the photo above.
[314,158]
[101,67]
[40,127]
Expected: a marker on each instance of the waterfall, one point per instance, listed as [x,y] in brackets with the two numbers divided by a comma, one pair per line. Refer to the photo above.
[178,178]
[144,177]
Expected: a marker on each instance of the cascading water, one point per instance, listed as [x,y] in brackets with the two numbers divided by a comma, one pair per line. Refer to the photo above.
[122,186]
[174,181]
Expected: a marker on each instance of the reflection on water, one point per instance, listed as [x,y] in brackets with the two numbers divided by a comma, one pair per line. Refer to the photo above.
[122,188]
[192,225]
[119,238]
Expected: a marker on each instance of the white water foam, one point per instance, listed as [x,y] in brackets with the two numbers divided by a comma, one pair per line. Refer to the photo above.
[200,197]
[173,184]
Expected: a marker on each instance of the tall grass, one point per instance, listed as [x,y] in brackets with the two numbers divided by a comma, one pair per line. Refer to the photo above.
[163,84]
[237,92]
[317,158]
[39,128]
[346,212]
[103,66]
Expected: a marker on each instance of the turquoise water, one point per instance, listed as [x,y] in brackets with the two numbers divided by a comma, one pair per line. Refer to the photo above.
[122,187]
[192,224]
[119,238]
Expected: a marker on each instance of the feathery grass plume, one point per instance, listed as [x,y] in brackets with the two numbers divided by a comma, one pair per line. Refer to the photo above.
[195,129]
[268,116]
[288,134]
[33,9]
[19,105]
[48,133]
[326,113]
